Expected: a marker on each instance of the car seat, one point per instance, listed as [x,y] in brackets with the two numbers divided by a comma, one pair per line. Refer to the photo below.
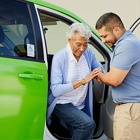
[4,49]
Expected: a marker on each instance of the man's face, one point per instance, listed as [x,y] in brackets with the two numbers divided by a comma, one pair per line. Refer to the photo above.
[78,45]
[109,37]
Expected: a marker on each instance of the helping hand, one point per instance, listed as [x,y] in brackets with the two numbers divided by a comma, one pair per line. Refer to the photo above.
[93,74]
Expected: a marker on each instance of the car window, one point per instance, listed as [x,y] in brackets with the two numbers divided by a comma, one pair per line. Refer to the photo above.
[55,35]
[16,30]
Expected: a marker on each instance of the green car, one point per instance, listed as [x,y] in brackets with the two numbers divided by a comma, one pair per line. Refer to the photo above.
[30,33]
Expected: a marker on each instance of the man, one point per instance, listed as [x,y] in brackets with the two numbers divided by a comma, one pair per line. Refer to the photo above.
[71,83]
[123,76]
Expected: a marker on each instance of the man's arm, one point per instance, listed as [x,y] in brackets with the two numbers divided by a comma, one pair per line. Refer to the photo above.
[114,77]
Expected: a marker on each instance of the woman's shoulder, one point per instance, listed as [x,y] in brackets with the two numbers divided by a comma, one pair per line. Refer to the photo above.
[61,53]
[89,52]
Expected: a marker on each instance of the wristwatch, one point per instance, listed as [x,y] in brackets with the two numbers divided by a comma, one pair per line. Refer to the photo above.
[83,81]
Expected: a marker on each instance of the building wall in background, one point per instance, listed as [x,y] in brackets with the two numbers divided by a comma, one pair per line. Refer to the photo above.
[91,10]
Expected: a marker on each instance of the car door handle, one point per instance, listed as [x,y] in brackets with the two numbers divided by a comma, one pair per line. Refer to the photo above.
[31,76]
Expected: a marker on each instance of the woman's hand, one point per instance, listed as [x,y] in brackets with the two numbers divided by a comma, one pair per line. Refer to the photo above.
[93,74]
[87,79]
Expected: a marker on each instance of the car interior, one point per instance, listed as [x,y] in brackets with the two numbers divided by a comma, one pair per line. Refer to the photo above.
[4,49]
[55,25]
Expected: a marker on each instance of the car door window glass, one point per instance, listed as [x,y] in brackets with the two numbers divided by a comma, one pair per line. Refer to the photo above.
[16,30]
[56,39]
[55,35]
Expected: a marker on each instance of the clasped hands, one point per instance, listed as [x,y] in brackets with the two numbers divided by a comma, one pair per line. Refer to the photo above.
[94,75]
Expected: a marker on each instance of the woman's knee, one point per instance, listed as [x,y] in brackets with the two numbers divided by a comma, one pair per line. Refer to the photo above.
[89,124]
[92,124]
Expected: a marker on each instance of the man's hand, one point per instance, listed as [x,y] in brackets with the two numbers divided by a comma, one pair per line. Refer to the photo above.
[98,79]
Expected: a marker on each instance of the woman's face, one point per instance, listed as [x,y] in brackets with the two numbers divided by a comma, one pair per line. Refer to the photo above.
[78,45]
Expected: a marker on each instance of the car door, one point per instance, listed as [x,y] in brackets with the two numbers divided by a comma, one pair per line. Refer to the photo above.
[23,73]
[54,23]
[135,28]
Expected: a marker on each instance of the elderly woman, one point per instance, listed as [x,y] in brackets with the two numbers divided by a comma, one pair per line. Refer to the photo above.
[71,97]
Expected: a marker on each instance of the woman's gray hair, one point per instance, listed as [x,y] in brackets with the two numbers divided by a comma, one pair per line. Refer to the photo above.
[79,28]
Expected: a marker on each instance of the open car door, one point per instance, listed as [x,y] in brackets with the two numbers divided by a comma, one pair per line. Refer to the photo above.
[55,22]
[135,28]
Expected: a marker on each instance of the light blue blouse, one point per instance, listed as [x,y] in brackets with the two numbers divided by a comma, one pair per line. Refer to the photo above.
[58,85]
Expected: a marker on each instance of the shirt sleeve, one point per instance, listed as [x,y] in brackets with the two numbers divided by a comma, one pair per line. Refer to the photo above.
[125,56]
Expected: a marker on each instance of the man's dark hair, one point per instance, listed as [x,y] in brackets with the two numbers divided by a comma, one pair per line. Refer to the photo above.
[109,20]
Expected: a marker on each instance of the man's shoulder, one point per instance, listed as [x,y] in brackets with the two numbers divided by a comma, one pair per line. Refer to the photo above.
[129,39]
[132,37]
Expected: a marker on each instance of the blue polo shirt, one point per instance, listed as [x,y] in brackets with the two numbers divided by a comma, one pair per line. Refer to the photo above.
[126,56]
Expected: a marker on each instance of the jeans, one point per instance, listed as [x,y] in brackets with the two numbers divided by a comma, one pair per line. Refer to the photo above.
[81,126]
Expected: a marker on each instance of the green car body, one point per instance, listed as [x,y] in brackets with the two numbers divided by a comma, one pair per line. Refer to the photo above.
[23,98]
[25,70]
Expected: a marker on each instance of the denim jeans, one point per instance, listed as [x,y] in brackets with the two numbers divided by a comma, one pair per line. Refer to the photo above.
[80,124]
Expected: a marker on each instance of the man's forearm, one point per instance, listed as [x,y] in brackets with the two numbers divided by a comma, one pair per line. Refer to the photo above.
[105,78]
